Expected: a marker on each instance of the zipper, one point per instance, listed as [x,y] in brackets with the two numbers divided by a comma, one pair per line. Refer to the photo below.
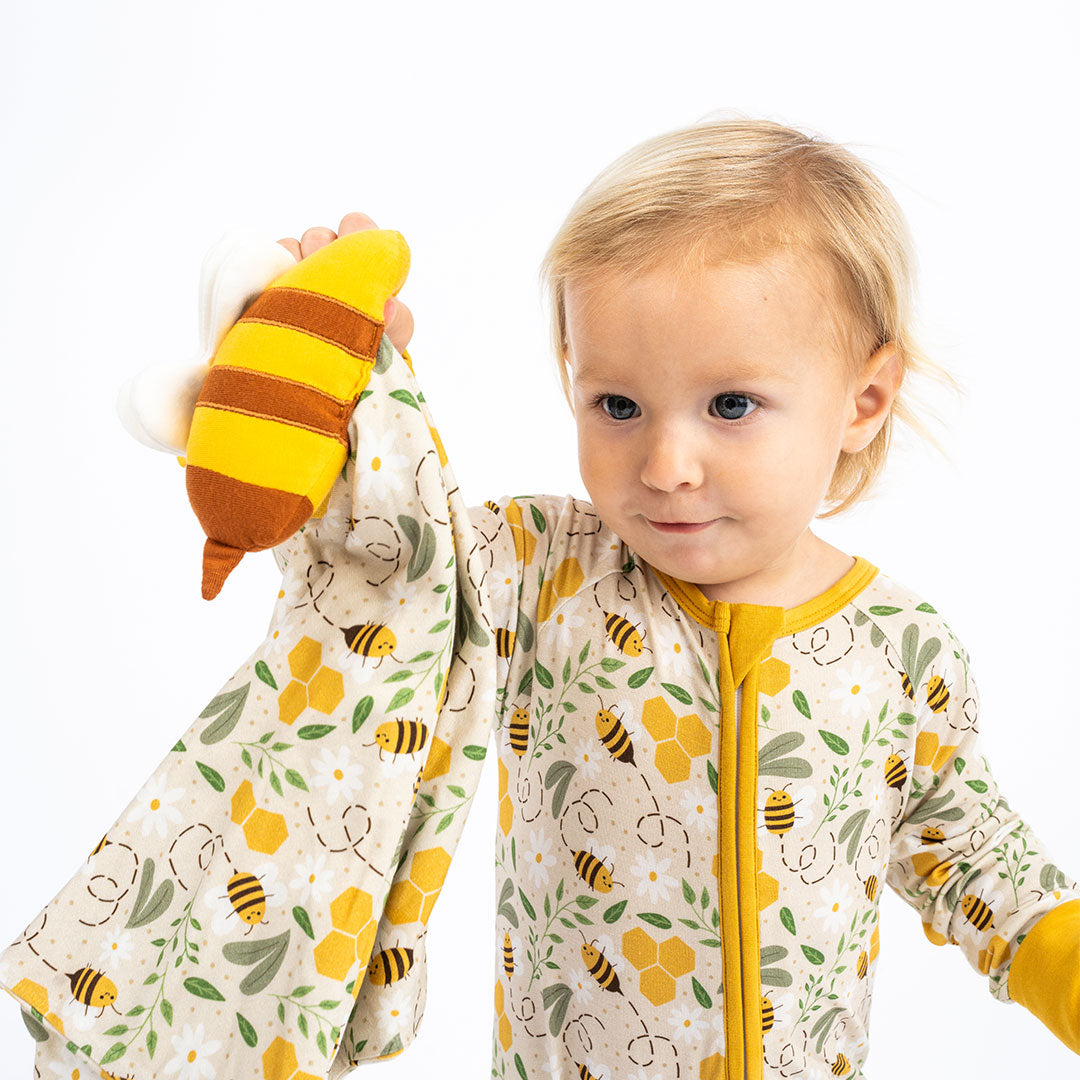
[738,876]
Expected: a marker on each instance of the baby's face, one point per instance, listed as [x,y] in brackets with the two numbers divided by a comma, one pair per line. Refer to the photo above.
[710,416]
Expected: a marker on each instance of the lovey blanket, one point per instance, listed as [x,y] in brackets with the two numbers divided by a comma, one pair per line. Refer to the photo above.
[276,873]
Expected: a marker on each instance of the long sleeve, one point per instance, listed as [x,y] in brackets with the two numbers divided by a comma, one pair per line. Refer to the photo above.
[961,856]
[286,855]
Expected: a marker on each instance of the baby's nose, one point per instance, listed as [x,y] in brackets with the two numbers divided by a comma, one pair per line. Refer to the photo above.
[671,463]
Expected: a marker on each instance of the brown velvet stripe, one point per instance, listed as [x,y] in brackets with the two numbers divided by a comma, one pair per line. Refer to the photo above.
[243,515]
[320,316]
[256,393]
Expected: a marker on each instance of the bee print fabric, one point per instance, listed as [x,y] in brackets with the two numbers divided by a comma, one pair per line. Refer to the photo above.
[700,804]
[260,906]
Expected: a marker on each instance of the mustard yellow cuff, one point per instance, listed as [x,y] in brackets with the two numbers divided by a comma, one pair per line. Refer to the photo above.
[1045,973]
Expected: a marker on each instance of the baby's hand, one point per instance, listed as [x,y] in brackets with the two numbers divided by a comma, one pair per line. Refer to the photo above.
[399,320]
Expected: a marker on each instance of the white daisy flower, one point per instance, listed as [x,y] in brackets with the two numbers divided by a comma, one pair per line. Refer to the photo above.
[335,771]
[856,685]
[565,625]
[378,468]
[393,1004]
[687,1022]
[699,810]
[153,806]
[502,591]
[193,1052]
[586,756]
[115,948]
[669,643]
[537,858]
[653,880]
[838,904]
[581,983]
[311,881]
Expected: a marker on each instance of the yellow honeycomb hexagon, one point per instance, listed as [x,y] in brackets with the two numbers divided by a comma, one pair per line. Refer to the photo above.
[545,603]
[639,948]
[711,1068]
[524,541]
[428,873]
[659,719]
[672,762]
[351,910]
[438,759]
[37,997]
[304,658]
[693,736]
[875,943]
[292,701]
[243,802]
[929,751]
[773,676]
[403,903]
[500,998]
[335,954]
[265,831]
[506,1033]
[676,957]
[326,690]
[657,985]
[568,577]
[506,804]
[279,1060]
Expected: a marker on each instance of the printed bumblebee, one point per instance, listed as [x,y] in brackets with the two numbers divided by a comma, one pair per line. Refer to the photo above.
[593,872]
[400,737]
[390,966]
[613,735]
[519,731]
[93,989]
[248,900]
[599,967]
[779,812]
[624,635]
[371,639]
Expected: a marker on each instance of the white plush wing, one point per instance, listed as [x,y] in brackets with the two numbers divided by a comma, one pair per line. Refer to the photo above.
[157,404]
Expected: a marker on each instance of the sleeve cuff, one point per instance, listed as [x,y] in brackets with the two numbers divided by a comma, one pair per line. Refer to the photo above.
[1045,972]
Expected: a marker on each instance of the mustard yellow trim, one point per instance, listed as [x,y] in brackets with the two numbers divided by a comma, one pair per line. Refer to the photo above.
[263,452]
[1045,972]
[716,614]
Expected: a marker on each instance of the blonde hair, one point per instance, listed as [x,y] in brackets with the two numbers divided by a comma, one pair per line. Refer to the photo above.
[736,190]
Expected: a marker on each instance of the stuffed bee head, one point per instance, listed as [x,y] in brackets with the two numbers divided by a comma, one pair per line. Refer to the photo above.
[269,435]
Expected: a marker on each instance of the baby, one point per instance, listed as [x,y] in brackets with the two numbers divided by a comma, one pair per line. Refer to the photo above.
[719,735]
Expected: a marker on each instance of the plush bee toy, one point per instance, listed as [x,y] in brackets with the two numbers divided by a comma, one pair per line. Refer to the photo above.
[268,436]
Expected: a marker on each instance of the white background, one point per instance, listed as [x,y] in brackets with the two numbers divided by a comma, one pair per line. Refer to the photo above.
[134,134]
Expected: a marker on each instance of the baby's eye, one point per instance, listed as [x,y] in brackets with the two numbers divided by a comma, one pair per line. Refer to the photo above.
[617,406]
[734,403]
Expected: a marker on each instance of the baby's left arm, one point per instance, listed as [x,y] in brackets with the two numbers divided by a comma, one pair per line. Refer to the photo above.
[975,871]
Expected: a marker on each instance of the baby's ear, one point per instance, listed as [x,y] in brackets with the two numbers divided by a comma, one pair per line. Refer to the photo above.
[156,405]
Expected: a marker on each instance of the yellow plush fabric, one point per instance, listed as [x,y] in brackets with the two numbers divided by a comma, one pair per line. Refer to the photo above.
[268,436]
[1045,974]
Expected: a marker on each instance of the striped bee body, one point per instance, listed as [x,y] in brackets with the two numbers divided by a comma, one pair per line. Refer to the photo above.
[247,898]
[592,871]
[599,967]
[779,813]
[614,737]
[269,435]
[908,689]
[840,1066]
[99,845]
[623,634]
[768,1015]
[584,1074]
[870,887]
[504,642]
[370,639]
[861,964]
[977,912]
[492,506]
[390,965]
[519,731]
[937,693]
[92,989]
[895,771]
[401,736]
[508,954]
[931,834]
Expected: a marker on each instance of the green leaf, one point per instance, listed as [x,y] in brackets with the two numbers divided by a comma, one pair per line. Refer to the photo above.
[586,902]
[275,781]
[402,697]
[538,519]
[714,778]
[883,609]
[639,678]
[405,397]
[303,920]
[610,664]
[444,823]
[266,955]
[661,922]
[815,957]
[227,708]
[543,676]
[604,684]
[203,989]
[788,920]
[584,653]
[520,1066]
[474,753]
[262,669]
[799,698]
[245,757]
[614,912]
[529,909]
[315,731]
[700,993]
[211,776]
[678,693]
[566,671]
[834,742]
[167,1011]
[247,1031]
[119,1029]
[688,893]
[146,908]
[456,790]
[978,785]
[294,778]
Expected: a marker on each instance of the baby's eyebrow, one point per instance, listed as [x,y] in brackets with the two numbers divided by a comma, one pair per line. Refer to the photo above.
[728,373]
